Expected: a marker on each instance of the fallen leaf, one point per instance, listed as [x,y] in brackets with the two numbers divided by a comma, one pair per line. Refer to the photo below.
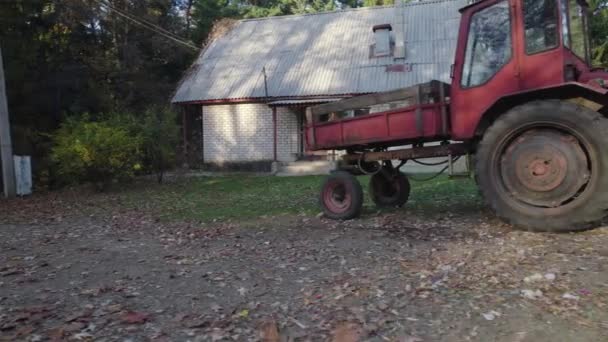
[570,296]
[243,313]
[133,317]
[533,278]
[25,331]
[347,332]
[56,334]
[269,332]
[83,336]
[531,294]
[409,339]
[490,316]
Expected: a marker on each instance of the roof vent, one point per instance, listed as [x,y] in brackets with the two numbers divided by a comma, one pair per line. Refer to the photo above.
[399,32]
[382,40]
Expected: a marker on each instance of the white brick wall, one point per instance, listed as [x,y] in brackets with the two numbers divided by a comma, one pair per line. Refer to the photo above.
[244,132]
[288,138]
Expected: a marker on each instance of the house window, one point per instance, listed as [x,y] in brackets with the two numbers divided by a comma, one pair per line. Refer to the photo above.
[382,40]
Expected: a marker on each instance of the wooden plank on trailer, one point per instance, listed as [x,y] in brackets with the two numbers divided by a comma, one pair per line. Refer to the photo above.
[370,100]
[419,117]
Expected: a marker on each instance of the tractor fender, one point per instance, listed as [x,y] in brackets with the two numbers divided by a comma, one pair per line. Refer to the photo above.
[590,95]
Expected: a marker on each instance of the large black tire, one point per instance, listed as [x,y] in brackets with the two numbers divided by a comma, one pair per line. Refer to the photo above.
[389,189]
[341,196]
[543,166]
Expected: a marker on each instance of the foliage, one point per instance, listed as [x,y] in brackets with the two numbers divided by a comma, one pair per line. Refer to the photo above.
[160,138]
[95,151]
[207,12]
[368,3]
[598,26]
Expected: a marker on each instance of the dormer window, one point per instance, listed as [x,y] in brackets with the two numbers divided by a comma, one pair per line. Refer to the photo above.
[382,41]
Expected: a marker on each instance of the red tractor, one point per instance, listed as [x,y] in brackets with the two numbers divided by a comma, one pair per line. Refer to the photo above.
[523,100]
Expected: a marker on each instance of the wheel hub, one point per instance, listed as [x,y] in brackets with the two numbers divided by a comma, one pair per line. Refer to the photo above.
[336,197]
[544,167]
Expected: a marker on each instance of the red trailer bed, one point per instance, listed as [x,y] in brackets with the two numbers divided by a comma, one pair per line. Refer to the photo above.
[423,117]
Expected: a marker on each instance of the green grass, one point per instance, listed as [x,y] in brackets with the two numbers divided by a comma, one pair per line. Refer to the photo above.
[241,198]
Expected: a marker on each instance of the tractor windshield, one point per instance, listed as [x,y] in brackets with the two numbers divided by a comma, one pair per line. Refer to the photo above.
[576,33]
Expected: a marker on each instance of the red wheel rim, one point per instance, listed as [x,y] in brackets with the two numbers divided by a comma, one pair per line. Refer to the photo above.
[336,197]
[544,168]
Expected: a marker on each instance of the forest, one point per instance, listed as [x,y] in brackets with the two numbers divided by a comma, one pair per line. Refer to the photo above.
[98,58]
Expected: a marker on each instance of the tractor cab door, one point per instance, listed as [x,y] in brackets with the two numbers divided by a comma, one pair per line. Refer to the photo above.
[485,66]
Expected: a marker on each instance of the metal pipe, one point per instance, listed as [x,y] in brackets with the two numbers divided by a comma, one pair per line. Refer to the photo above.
[274,128]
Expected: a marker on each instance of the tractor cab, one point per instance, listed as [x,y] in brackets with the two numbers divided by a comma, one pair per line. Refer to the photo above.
[514,46]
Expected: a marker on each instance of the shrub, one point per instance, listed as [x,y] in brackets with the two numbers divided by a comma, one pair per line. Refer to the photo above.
[160,138]
[97,152]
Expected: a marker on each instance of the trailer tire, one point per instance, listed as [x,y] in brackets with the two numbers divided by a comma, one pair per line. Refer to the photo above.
[393,192]
[341,196]
[541,167]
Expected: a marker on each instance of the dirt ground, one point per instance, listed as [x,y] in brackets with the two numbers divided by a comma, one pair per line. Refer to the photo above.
[455,275]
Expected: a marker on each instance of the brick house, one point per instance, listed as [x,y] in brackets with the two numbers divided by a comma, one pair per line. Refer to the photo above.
[245,96]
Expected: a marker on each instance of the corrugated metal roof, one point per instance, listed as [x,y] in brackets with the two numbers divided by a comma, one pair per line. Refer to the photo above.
[324,53]
[295,101]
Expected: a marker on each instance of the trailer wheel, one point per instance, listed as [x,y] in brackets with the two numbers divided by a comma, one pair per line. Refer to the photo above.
[389,190]
[341,196]
[542,166]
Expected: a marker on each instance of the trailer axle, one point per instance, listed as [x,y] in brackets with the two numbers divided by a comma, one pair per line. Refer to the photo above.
[456,149]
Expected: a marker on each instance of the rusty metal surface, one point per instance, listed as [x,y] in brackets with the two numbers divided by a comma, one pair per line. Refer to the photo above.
[544,167]
[411,153]
[325,54]
[394,127]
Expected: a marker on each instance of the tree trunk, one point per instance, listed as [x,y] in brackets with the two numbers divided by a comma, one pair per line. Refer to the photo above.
[189,16]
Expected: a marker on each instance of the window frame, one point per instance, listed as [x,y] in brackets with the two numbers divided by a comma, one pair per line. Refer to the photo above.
[511,32]
[586,42]
[558,25]
[386,30]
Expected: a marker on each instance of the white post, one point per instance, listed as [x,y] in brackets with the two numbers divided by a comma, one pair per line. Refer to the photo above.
[6,148]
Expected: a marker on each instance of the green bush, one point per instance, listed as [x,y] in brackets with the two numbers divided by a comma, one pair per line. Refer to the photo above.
[98,152]
[160,138]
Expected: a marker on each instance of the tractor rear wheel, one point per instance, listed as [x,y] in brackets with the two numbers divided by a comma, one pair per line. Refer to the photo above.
[341,196]
[389,189]
[542,166]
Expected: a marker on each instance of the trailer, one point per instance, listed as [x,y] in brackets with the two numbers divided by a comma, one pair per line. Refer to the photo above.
[524,101]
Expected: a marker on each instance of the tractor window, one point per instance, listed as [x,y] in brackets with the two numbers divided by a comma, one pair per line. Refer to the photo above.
[577,29]
[488,44]
[540,23]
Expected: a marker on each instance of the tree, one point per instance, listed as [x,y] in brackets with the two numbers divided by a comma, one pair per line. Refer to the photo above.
[160,138]
[206,13]
[598,27]
[368,3]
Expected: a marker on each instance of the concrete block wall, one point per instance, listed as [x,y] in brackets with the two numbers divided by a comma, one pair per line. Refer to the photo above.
[245,132]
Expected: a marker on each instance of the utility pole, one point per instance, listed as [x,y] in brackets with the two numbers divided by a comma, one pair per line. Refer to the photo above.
[6,147]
